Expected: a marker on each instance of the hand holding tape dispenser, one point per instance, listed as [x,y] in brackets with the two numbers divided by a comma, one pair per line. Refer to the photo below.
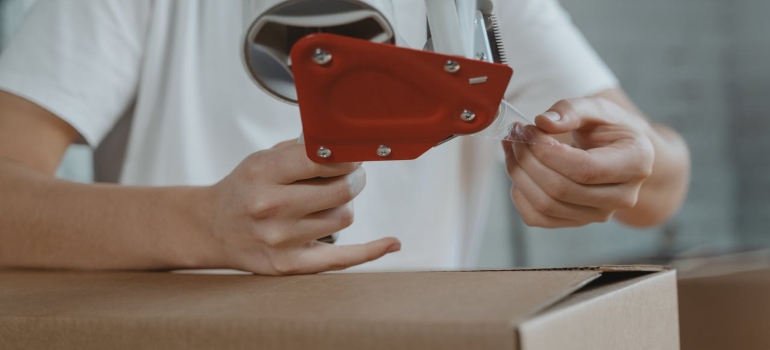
[362,97]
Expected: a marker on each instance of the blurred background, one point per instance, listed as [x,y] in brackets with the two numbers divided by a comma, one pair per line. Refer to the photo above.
[700,66]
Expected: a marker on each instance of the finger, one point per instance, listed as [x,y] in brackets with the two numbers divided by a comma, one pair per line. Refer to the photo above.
[536,219]
[575,114]
[310,196]
[543,203]
[323,223]
[622,161]
[321,257]
[290,163]
[561,188]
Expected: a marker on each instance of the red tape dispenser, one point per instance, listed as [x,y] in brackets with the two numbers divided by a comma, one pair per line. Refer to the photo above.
[365,101]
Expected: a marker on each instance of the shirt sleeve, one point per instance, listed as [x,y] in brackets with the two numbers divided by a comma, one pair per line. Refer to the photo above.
[79,59]
[550,57]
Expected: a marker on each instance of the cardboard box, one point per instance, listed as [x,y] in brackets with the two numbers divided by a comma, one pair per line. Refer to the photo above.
[588,308]
[724,302]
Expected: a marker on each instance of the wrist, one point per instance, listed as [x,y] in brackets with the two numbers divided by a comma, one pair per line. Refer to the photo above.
[195,246]
[664,191]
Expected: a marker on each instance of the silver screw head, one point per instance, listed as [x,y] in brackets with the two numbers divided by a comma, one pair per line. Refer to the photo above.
[467,115]
[324,152]
[383,151]
[451,66]
[321,57]
[481,56]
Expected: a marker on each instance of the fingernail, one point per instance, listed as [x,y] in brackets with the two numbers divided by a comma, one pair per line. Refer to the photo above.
[393,248]
[553,116]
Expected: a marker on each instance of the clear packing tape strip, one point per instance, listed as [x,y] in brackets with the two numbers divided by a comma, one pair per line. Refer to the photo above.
[507,126]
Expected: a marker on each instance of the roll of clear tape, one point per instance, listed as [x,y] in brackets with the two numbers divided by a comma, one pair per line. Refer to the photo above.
[507,126]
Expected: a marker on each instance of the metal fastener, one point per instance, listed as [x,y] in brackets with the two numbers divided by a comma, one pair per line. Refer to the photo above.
[321,57]
[481,56]
[467,115]
[383,151]
[451,66]
[324,152]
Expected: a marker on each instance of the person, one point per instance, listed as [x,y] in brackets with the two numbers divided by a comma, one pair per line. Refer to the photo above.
[212,178]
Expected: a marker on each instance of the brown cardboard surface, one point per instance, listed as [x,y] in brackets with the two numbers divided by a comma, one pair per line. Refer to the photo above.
[726,311]
[414,310]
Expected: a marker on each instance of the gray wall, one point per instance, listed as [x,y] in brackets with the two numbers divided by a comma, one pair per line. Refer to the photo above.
[703,67]
[747,56]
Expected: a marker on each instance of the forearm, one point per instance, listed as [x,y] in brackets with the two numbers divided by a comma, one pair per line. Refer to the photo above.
[50,223]
[664,191]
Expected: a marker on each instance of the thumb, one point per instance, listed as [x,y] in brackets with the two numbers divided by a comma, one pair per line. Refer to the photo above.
[575,114]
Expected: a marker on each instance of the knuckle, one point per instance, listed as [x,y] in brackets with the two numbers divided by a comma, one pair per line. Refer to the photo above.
[557,189]
[282,265]
[544,205]
[530,218]
[346,216]
[272,238]
[345,191]
[265,208]
[586,174]
[311,167]
[258,156]
[605,216]
[644,171]
[628,200]
[566,107]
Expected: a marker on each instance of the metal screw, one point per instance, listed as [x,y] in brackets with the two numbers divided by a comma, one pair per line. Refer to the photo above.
[321,57]
[324,152]
[451,66]
[481,56]
[383,151]
[467,115]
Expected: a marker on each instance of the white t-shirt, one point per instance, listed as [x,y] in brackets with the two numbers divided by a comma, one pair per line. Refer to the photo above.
[175,67]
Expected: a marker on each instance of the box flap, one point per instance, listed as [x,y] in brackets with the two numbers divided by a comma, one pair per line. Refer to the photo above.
[378,310]
[624,310]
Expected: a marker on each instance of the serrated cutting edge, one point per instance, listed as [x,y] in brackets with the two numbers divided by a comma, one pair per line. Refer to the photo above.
[495,39]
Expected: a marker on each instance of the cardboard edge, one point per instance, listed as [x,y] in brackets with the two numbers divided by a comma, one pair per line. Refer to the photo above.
[546,304]
[709,266]
[600,268]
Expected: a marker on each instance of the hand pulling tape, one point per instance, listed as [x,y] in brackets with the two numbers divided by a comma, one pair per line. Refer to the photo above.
[504,128]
